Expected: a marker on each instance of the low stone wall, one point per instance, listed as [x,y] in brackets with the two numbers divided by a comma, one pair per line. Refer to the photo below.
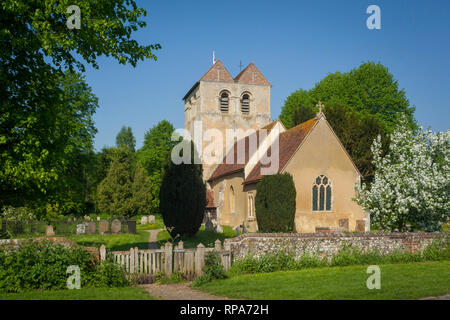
[322,244]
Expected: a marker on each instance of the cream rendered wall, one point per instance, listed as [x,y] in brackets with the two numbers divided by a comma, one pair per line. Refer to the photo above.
[203,104]
[321,153]
[221,189]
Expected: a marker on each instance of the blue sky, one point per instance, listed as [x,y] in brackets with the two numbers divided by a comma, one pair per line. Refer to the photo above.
[294,43]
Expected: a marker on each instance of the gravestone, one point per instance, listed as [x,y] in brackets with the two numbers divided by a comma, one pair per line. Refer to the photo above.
[92,228]
[69,220]
[144,220]
[131,226]
[81,228]
[49,231]
[151,219]
[360,226]
[103,227]
[116,226]
[98,218]
[219,228]
[209,225]
[343,223]
[238,230]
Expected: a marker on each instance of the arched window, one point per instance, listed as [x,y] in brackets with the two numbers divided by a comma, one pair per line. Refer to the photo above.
[321,194]
[245,103]
[232,200]
[224,101]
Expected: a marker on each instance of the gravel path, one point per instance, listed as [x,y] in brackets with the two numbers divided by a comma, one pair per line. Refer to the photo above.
[444,297]
[152,239]
[178,291]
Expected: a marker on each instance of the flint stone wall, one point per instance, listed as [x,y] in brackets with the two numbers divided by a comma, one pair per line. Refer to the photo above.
[328,244]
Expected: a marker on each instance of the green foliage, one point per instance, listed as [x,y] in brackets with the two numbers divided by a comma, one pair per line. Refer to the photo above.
[357,132]
[369,89]
[275,203]
[212,269]
[46,113]
[297,99]
[183,197]
[125,139]
[43,265]
[175,277]
[10,213]
[302,114]
[125,191]
[360,105]
[154,154]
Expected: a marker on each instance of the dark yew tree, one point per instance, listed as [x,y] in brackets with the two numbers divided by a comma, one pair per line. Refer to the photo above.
[275,203]
[183,196]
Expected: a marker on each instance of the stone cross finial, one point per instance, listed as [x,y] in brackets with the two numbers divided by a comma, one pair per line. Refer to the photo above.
[320,106]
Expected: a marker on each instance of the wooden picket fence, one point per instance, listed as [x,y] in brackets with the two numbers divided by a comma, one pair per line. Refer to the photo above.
[167,260]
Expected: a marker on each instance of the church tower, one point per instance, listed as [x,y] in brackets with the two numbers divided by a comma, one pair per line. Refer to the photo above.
[222,102]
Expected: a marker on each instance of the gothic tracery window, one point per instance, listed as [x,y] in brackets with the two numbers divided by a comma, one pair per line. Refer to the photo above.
[321,194]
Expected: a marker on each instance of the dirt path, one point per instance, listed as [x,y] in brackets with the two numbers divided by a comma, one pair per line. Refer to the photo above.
[445,297]
[152,238]
[178,291]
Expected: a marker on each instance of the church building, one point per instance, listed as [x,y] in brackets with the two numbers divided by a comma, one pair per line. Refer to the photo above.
[322,170]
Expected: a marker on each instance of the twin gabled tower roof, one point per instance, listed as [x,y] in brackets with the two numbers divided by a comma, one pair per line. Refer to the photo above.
[250,75]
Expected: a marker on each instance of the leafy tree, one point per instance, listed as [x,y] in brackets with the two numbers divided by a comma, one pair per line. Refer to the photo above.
[302,114]
[153,155]
[412,182]
[125,139]
[125,191]
[141,188]
[275,203]
[36,128]
[357,133]
[183,197]
[115,192]
[295,100]
[369,89]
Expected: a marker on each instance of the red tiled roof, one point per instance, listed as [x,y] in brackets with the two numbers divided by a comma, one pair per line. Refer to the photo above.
[251,75]
[225,169]
[210,199]
[289,141]
[217,72]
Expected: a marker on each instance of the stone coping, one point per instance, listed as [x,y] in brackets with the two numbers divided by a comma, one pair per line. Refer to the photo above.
[391,235]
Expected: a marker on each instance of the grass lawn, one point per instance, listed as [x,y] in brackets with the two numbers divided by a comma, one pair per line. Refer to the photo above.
[202,236]
[398,281]
[116,242]
[126,293]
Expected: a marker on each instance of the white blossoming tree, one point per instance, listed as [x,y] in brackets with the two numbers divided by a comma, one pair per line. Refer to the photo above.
[412,182]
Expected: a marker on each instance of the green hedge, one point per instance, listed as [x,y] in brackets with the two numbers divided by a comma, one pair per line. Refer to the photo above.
[275,203]
[43,265]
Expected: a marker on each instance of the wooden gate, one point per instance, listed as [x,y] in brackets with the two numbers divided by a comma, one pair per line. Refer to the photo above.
[168,259]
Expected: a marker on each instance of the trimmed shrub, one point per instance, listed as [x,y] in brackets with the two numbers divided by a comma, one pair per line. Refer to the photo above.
[183,198]
[275,203]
